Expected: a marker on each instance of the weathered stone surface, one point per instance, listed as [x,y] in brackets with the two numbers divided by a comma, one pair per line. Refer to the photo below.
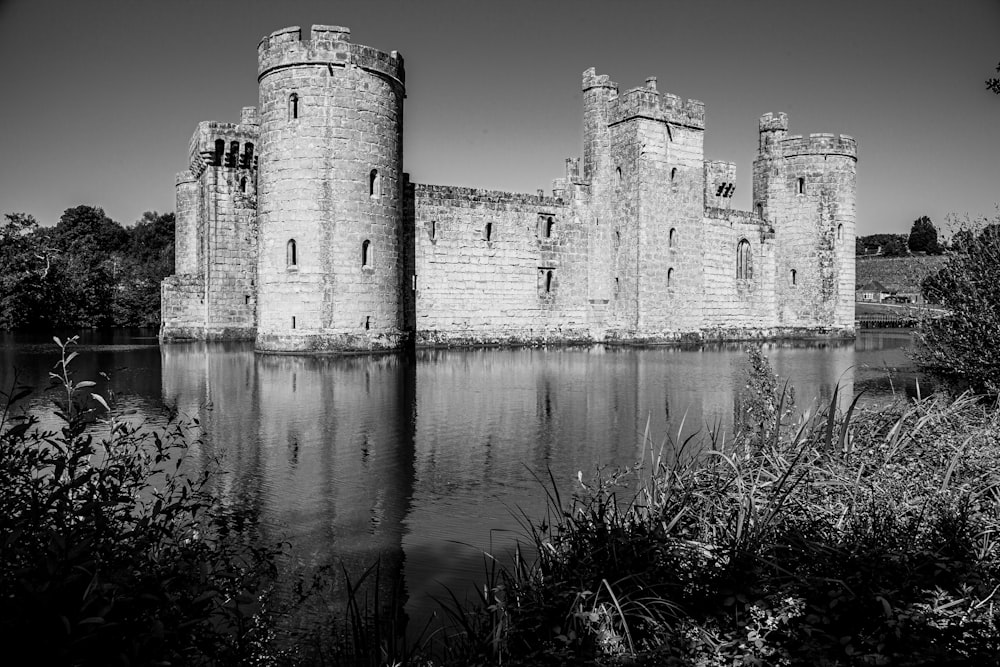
[637,245]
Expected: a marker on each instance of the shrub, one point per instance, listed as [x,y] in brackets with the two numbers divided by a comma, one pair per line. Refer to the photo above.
[111,551]
[961,348]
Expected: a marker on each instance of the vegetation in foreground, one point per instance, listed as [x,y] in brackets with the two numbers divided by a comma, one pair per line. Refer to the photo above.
[870,537]
[110,553]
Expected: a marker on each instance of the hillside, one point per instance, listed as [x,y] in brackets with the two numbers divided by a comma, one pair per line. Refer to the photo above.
[898,274]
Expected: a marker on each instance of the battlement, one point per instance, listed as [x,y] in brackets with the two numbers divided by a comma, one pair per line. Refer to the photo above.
[329,45]
[771,122]
[820,143]
[647,102]
[591,79]
[211,136]
[475,195]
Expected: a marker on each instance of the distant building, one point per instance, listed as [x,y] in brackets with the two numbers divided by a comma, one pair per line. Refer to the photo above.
[298,228]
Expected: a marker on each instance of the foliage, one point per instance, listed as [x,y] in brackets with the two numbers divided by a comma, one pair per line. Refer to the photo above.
[993,83]
[86,271]
[868,537]
[924,236]
[961,347]
[888,245]
[112,552]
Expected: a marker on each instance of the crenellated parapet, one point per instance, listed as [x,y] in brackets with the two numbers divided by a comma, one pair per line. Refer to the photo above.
[820,143]
[229,145]
[329,45]
[497,198]
[774,122]
[647,102]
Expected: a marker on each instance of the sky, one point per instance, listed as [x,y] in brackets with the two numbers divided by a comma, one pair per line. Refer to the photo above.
[100,97]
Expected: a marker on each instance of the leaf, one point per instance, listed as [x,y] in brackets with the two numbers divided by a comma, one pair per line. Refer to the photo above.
[100,399]
[84,384]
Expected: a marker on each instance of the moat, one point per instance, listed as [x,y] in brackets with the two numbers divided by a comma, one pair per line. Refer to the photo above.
[420,461]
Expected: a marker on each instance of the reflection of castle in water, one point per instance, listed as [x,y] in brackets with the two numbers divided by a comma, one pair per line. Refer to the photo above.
[359,458]
[322,448]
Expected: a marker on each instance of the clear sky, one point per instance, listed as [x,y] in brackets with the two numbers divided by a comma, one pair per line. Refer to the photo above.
[100,97]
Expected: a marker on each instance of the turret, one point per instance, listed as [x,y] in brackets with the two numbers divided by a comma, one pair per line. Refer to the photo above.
[805,187]
[331,181]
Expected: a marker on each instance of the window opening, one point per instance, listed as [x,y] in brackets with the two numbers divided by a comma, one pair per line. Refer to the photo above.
[248,156]
[548,281]
[670,276]
[293,106]
[291,254]
[368,322]
[673,173]
[434,230]
[374,184]
[488,233]
[220,149]
[618,172]
[672,239]
[293,321]
[366,254]
[840,232]
[744,270]
[232,158]
[549,223]
[793,276]
[243,184]
[801,186]
[617,285]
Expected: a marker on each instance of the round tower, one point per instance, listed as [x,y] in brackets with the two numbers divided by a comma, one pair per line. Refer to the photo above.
[806,188]
[329,194]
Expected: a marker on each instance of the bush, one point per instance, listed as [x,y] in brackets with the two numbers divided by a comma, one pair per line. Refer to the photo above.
[111,552]
[962,348]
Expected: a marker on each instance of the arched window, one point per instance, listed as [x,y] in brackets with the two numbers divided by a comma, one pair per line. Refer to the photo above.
[293,106]
[366,254]
[670,277]
[840,232]
[793,276]
[801,186]
[374,184]
[220,150]
[618,174]
[548,280]
[672,239]
[673,173]
[243,184]
[760,210]
[291,254]
[744,270]
[549,223]
[488,232]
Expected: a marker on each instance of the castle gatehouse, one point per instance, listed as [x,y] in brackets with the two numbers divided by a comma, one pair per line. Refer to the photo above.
[298,228]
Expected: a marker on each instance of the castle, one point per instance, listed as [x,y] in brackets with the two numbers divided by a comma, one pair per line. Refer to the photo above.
[298,228]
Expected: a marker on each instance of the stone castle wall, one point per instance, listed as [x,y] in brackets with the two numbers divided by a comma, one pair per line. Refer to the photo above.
[497,267]
[299,228]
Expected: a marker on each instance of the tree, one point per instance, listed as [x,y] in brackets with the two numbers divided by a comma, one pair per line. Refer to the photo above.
[993,83]
[961,348]
[923,236]
[888,245]
[147,260]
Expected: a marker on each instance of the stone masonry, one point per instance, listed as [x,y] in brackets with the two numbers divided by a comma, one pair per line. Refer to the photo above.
[298,228]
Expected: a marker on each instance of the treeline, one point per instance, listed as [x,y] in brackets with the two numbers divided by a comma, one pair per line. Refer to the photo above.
[922,239]
[86,271]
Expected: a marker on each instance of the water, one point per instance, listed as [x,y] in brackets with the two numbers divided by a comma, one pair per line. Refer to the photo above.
[422,462]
